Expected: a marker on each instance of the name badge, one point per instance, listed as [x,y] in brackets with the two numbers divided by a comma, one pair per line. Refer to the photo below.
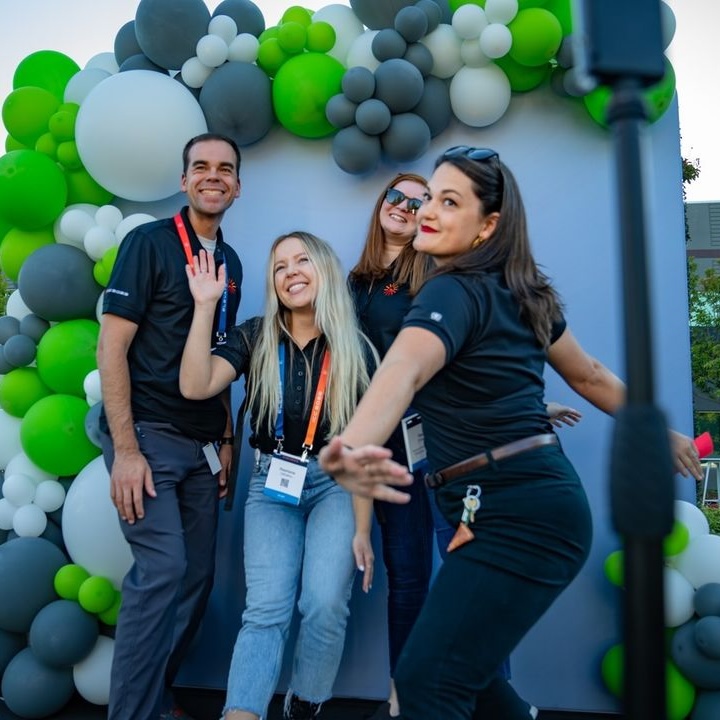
[414,439]
[212,458]
[286,478]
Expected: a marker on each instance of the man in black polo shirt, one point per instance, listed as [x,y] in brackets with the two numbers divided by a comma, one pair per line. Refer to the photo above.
[165,469]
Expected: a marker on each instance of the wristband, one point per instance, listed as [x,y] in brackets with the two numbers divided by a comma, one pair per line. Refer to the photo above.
[226,440]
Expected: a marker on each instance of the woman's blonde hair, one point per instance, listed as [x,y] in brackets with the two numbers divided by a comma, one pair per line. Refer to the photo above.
[335,318]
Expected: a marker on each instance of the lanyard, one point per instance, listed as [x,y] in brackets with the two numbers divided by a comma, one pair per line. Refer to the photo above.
[316,405]
[221,332]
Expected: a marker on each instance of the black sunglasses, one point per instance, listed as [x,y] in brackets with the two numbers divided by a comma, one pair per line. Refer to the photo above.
[395,197]
[472,153]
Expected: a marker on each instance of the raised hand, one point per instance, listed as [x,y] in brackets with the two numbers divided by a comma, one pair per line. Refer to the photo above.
[206,283]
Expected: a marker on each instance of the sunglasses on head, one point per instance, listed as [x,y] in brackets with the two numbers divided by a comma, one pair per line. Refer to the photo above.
[471,153]
[395,197]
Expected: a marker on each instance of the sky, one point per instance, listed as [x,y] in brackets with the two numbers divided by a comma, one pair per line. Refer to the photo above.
[83,28]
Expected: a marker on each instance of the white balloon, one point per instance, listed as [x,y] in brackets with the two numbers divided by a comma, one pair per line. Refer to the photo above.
[15,307]
[98,240]
[91,385]
[501,11]
[360,51]
[194,72]
[224,27]
[667,23]
[49,496]
[496,41]
[74,224]
[444,46]
[212,50]
[29,521]
[22,464]
[699,563]
[82,83]
[692,517]
[347,28]
[92,674]
[77,236]
[9,427]
[468,21]
[18,489]
[679,594]
[7,513]
[99,309]
[130,223]
[91,528]
[472,54]
[105,61]
[131,130]
[480,96]
[244,48]
[109,216]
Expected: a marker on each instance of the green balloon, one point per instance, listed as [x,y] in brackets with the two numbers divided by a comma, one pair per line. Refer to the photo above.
[301,90]
[268,33]
[62,125]
[26,113]
[292,37]
[103,267]
[523,78]
[47,145]
[562,10]
[46,69]
[271,56]
[677,540]
[18,245]
[68,155]
[83,188]
[296,14]
[20,389]
[522,4]
[320,37]
[52,435]
[680,693]
[96,594]
[66,354]
[455,4]
[611,669]
[12,143]
[536,36]
[615,568]
[110,616]
[33,190]
[68,580]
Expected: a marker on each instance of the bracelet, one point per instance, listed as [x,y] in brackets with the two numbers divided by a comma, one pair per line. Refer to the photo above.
[226,440]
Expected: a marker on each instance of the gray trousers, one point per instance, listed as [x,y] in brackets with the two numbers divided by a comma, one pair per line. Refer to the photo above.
[165,593]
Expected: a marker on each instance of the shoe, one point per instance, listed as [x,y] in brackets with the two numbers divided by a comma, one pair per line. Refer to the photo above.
[297,709]
[383,713]
[175,713]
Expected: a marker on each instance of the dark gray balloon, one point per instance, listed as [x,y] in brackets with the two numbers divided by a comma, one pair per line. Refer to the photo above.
[34,327]
[247,15]
[62,634]
[388,44]
[141,62]
[355,152]
[565,55]
[358,84]
[126,44]
[340,111]
[168,30]
[706,600]
[557,82]
[5,366]
[418,55]
[399,85]
[92,424]
[707,635]
[53,533]
[378,14]
[10,645]
[56,282]
[373,116]
[707,706]
[195,91]
[698,668]
[412,23]
[407,138]
[436,11]
[237,101]
[32,689]
[19,350]
[9,326]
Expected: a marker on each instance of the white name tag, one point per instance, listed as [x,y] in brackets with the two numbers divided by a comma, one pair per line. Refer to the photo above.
[286,478]
[212,458]
[414,439]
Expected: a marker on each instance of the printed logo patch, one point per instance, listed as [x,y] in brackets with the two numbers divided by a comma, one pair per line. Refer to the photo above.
[436,316]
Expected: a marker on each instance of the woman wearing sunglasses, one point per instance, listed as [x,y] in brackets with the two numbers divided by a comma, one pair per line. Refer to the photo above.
[306,363]
[470,357]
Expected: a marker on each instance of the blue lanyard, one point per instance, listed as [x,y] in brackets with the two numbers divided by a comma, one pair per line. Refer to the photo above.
[280,421]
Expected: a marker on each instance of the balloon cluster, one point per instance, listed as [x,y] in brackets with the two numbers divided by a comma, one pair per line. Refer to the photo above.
[692,613]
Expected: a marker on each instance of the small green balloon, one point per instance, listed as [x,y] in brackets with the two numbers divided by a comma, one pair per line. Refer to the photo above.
[615,568]
[562,10]
[62,125]
[96,594]
[297,14]
[455,4]
[110,616]
[18,245]
[68,580]
[677,540]
[680,693]
[20,389]
[522,77]
[292,37]
[12,143]
[271,57]
[83,188]
[321,37]
[26,113]
[46,69]
[47,145]
[268,33]
[68,155]
[103,267]
[522,4]
[536,36]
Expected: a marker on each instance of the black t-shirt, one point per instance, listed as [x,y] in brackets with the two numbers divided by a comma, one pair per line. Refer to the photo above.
[149,286]
[490,391]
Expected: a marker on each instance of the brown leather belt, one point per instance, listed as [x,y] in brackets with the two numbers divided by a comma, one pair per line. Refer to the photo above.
[437,479]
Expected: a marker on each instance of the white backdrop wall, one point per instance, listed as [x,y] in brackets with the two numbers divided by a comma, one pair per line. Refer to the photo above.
[565,166]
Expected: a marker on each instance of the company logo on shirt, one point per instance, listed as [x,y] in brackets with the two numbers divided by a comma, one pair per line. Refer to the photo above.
[232,286]
[436,316]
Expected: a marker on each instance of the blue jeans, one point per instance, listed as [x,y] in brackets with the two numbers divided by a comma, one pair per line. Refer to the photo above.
[286,546]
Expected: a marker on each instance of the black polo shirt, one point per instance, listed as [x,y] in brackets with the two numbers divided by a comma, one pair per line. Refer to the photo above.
[491,389]
[149,287]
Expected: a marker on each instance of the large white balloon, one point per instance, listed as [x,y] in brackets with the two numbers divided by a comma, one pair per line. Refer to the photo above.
[480,96]
[9,433]
[91,528]
[699,563]
[92,674]
[360,52]
[131,130]
[679,594]
[692,517]
[16,308]
[347,28]
[444,46]
[82,83]
[23,465]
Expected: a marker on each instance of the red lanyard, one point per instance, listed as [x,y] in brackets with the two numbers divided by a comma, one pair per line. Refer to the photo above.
[184,239]
[317,402]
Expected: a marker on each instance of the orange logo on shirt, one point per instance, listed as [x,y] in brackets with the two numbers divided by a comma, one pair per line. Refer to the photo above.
[391,289]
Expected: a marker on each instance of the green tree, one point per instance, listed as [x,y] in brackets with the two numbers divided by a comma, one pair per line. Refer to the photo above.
[704,305]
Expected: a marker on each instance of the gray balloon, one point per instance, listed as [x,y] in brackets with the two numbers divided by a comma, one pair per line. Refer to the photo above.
[557,82]
[168,30]
[373,116]
[92,424]
[56,282]
[565,55]
[399,84]
[418,55]
[237,101]
[707,706]
[355,152]
[378,14]
[126,44]
[434,106]
[412,23]
[247,15]
[706,600]
[340,111]
[388,44]
[19,351]
[5,366]
[34,327]
[407,138]
[358,84]
[32,689]
[141,62]
[707,635]
[10,645]
[9,326]
[446,12]
[698,668]
[62,634]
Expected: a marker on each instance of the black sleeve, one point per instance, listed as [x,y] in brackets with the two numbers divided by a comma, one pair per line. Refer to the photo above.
[239,346]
